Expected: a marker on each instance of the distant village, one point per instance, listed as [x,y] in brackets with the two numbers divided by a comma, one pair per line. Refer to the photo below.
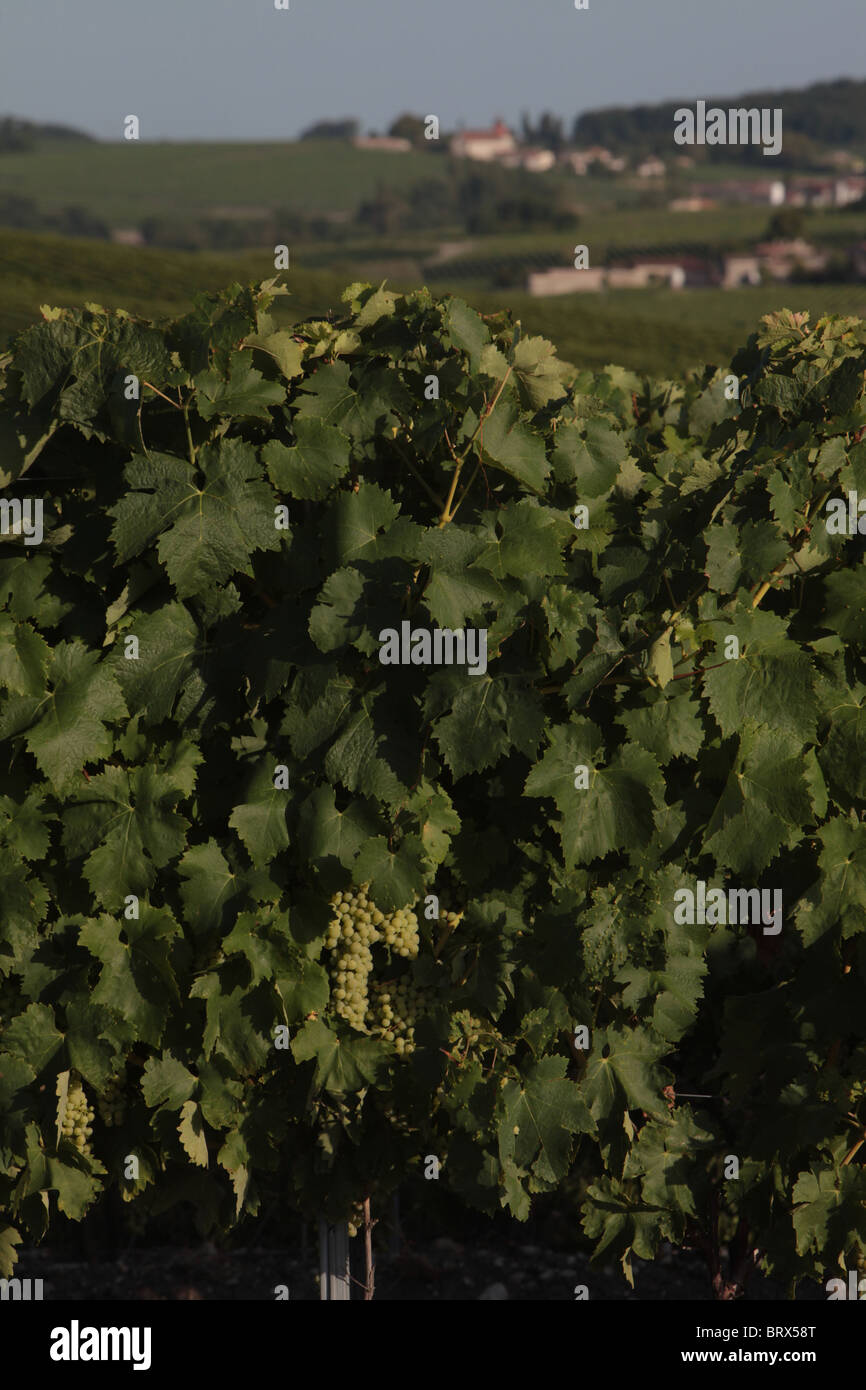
[778,259]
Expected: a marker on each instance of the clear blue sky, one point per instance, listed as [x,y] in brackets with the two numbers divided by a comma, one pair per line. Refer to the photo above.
[238,69]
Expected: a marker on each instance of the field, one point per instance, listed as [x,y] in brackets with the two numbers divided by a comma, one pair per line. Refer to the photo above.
[647,330]
[126,182]
[38,269]
[123,182]
[663,332]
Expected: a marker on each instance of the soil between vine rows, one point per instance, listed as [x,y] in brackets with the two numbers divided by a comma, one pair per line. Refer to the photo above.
[441,1270]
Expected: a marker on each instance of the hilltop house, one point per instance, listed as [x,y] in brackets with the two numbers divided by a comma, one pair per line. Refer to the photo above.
[641,273]
[757,191]
[779,258]
[485,145]
[826,193]
[565,280]
[536,161]
[651,168]
[776,259]
[740,270]
[581,160]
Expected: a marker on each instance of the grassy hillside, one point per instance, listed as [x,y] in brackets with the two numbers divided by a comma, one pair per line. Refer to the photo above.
[663,332]
[653,330]
[37,269]
[128,181]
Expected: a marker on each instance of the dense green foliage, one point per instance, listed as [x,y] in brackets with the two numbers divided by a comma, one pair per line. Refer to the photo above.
[212,786]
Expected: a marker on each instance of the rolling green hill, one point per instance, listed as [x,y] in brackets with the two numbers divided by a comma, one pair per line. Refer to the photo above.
[125,182]
[656,331]
[36,269]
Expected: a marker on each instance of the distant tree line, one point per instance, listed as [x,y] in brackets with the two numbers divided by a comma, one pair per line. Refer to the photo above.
[480,199]
[18,136]
[827,113]
[345,129]
[26,215]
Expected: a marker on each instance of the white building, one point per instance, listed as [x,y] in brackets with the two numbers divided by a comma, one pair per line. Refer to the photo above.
[651,168]
[564,280]
[580,161]
[485,145]
[645,274]
[536,161]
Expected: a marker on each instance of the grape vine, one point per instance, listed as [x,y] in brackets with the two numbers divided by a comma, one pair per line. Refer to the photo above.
[292,918]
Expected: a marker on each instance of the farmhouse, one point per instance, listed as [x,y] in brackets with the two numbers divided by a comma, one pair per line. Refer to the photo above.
[485,145]
[536,161]
[651,168]
[740,270]
[826,193]
[644,273]
[780,258]
[565,280]
[581,160]
[756,191]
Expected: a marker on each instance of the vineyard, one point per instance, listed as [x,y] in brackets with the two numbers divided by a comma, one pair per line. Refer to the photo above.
[424,759]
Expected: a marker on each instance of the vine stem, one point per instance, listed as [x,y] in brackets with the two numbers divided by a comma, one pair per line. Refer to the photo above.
[447,514]
[174,405]
[436,500]
[764,588]
[446,510]
[189,441]
[369,1267]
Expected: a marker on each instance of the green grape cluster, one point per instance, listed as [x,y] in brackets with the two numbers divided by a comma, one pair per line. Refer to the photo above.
[400,932]
[351,932]
[357,924]
[395,1006]
[78,1118]
[113,1102]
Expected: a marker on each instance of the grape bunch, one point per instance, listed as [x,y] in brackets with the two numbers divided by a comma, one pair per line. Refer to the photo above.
[400,932]
[395,1006]
[112,1103]
[357,924]
[351,932]
[78,1118]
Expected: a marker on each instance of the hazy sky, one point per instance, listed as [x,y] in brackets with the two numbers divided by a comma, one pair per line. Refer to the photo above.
[238,69]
